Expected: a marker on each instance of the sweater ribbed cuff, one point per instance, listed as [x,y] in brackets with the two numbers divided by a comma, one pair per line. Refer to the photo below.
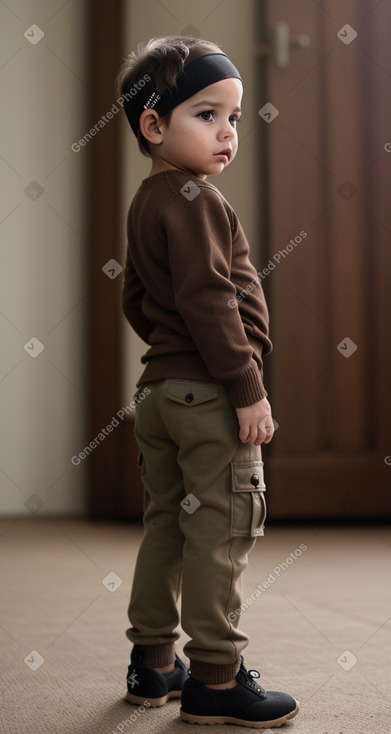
[212,673]
[158,656]
[247,388]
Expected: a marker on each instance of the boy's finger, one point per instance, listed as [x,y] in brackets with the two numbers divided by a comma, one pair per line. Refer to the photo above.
[253,434]
[261,436]
[266,426]
[269,433]
[243,433]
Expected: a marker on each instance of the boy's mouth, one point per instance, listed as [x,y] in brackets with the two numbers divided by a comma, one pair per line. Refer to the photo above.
[227,153]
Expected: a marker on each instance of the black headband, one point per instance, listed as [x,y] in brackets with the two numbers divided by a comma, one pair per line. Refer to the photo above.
[195,76]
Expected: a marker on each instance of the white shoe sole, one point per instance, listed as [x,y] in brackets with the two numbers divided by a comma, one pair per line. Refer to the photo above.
[212,720]
[130,698]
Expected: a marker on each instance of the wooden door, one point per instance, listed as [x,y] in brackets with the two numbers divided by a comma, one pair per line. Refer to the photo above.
[328,177]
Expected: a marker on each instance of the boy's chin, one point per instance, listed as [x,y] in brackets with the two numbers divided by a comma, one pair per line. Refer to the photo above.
[215,168]
[212,170]
[218,169]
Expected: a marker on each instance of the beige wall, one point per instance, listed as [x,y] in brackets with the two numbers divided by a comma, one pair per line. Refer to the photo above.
[44,253]
[231,25]
[43,291]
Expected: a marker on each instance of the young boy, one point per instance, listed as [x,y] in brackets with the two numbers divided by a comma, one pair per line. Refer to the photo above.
[205,413]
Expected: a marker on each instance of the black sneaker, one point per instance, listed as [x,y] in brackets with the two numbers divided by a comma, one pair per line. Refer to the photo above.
[147,685]
[246,705]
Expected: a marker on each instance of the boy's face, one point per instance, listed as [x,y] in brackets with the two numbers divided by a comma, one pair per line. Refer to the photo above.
[200,129]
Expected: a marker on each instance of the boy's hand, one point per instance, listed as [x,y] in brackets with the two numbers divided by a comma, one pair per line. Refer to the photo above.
[255,421]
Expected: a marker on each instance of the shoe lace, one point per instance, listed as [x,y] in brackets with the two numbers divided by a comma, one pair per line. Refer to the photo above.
[251,675]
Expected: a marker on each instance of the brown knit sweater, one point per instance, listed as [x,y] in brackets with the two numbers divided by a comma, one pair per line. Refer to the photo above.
[187,259]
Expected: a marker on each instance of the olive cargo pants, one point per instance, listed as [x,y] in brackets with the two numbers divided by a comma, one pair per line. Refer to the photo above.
[204,506]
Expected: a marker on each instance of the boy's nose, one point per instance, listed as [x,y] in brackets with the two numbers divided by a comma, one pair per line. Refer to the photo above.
[226,132]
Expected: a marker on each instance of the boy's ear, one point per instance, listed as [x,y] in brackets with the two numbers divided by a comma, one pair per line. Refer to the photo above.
[149,127]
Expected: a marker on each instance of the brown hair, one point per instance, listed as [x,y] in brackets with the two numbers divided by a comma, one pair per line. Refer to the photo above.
[162,59]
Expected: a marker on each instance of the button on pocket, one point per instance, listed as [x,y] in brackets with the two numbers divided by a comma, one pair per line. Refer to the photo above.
[191,393]
[248,503]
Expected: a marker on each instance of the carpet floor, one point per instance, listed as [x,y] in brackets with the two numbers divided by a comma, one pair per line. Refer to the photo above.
[319,629]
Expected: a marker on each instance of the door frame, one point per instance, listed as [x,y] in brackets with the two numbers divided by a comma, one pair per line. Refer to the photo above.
[110,468]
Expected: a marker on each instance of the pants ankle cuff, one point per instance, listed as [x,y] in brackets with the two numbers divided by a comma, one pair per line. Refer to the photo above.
[157,656]
[212,673]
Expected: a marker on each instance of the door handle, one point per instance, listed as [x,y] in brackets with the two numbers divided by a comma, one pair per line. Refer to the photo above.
[281,43]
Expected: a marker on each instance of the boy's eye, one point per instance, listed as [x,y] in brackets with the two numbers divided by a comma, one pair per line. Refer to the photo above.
[207,114]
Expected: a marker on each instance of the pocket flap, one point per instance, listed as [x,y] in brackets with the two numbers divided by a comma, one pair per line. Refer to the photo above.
[247,476]
[191,393]
[248,501]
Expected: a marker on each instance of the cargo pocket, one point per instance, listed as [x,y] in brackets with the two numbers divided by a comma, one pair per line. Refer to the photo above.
[190,393]
[248,503]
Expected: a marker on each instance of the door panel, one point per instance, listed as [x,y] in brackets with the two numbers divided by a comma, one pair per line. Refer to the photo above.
[329,376]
